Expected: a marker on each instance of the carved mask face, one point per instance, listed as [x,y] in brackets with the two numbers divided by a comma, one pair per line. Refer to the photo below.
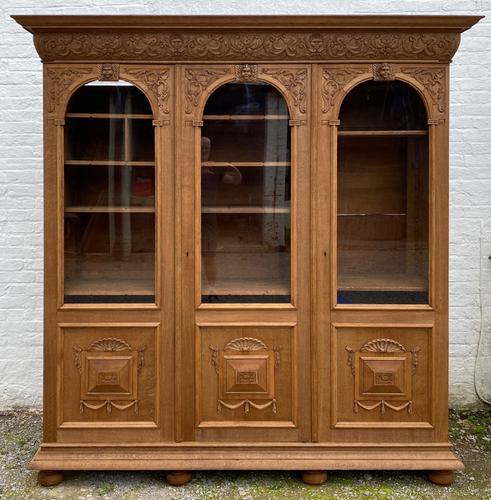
[246,72]
[107,72]
[385,71]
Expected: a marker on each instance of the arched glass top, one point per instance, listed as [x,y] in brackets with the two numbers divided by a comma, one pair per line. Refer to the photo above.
[382,198]
[109,195]
[245,195]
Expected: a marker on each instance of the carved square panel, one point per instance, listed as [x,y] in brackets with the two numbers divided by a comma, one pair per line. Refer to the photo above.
[382,376]
[108,375]
[247,376]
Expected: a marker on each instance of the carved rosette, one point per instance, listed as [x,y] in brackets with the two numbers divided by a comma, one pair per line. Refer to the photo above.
[333,82]
[245,374]
[103,375]
[59,80]
[251,44]
[295,81]
[197,80]
[433,80]
[156,82]
[382,370]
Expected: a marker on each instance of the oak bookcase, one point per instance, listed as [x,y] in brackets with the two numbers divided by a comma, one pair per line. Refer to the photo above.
[246,230]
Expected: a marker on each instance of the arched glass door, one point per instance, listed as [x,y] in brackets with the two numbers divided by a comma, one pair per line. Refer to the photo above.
[245,196]
[382,196]
[109,195]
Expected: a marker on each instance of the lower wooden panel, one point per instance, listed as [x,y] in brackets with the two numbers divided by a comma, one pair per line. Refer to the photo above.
[108,379]
[246,456]
[245,380]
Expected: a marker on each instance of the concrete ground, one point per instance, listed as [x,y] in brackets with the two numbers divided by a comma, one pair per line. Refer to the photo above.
[20,433]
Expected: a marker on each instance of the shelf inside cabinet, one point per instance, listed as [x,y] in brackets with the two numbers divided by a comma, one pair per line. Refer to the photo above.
[110,115]
[109,163]
[386,282]
[245,210]
[244,286]
[245,164]
[107,286]
[245,117]
[105,209]
[381,133]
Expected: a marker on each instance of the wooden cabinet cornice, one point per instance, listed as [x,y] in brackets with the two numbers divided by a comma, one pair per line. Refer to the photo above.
[246,243]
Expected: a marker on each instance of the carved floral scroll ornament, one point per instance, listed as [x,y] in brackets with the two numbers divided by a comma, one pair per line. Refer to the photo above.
[59,80]
[295,81]
[248,379]
[433,80]
[333,81]
[108,375]
[197,81]
[250,44]
[155,82]
[382,372]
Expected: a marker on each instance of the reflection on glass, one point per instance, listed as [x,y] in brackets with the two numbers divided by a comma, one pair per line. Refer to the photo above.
[245,196]
[382,196]
[109,196]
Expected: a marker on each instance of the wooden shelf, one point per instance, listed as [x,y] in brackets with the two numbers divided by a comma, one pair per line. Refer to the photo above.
[245,210]
[109,115]
[245,117]
[245,164]
[372,215]
[247,287]
[110,163]
[380,133]
[382,283]
[105,286]
[108,210]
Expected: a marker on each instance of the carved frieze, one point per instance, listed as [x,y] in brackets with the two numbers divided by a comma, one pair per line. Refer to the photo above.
[59,80]
[250,44]
[156,81]
[295,80]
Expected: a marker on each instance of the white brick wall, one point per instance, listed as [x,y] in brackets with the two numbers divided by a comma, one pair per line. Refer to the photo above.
[21,253]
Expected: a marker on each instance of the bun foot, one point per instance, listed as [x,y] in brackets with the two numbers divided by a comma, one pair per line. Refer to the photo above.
[50,477]
[441,477]
[178,477]
[314,477]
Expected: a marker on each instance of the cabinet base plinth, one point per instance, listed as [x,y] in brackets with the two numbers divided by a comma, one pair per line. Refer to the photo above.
[191,456]
[178,477]
[50,477]
[441,477]
[314,477]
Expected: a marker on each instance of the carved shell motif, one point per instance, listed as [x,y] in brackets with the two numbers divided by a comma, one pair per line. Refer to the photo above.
[245,344]
[110,344]
[382,345]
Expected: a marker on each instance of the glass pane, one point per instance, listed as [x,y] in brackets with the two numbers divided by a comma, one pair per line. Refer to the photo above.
[382,196]
[245,196]
[109,196]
